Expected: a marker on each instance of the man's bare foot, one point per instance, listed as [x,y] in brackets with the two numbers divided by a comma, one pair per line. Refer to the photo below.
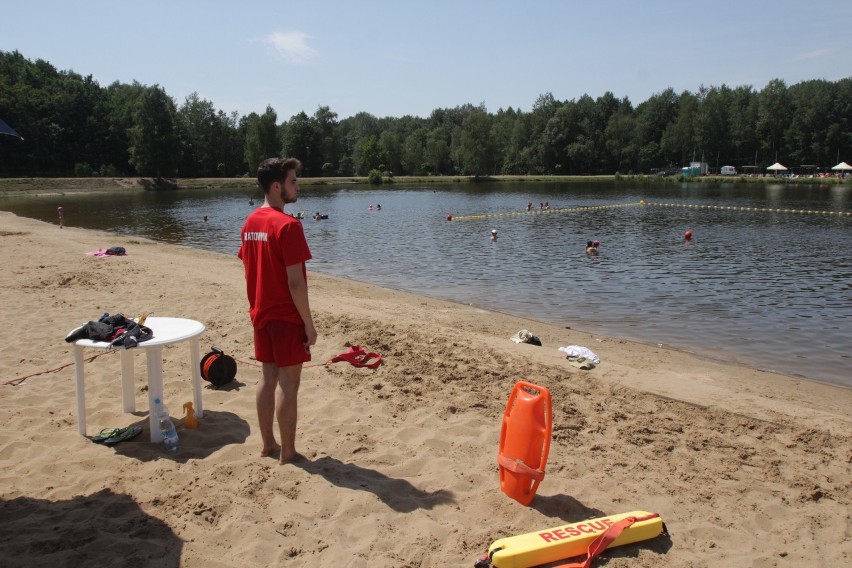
[295,457]
[266,452]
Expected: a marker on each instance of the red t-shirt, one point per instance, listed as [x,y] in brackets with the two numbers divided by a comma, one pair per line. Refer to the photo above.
[271,241]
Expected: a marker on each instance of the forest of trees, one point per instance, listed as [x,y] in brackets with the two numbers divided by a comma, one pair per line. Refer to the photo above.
[74,127]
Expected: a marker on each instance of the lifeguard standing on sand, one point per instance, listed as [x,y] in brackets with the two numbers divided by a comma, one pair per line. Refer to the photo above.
[274,251]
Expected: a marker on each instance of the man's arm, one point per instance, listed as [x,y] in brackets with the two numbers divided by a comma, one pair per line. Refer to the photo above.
[299,292]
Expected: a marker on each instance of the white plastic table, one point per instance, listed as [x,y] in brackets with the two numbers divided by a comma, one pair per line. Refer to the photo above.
[167,331]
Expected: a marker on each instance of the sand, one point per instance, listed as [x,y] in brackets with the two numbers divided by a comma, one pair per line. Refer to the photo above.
[746,468]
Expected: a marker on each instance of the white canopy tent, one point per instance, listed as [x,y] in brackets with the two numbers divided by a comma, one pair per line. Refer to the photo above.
[843,168]
[776,167]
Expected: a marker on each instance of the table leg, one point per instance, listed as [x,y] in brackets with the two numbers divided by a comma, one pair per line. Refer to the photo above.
[195,359]
[81,389]
[127,394]
[155,390]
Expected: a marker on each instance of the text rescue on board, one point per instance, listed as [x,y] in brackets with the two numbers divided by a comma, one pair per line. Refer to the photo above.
[578,529]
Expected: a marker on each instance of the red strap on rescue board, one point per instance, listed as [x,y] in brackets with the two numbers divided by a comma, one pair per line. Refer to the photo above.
[358,357]
[518,466]
[603,541]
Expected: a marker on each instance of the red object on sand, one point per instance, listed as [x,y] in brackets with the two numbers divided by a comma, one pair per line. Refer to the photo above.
[359,357]
[525,441]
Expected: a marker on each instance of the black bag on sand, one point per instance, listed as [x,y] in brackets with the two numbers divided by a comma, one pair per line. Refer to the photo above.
[218,368]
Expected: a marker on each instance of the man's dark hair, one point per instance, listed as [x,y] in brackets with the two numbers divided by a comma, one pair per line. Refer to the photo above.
[271,170]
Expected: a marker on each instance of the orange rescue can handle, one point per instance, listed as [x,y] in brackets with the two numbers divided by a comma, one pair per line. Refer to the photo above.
[525,441]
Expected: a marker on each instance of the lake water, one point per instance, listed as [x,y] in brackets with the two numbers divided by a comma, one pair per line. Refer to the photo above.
[769,289]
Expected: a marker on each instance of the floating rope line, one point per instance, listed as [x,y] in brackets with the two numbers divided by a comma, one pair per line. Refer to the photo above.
[752,209]
[544,211]
[648,203]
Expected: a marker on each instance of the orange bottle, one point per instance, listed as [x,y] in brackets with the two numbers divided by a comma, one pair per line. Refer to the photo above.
[525,441]
[190,421]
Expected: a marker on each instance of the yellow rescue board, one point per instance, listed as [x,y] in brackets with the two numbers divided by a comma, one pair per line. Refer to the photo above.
[567,541]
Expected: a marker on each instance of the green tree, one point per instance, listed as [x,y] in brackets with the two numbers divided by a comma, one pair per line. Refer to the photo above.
[502,126]
[413,153]
[197,122]
[841,145]
[229,144]
[122,102]
[301,141]
[326,140]
[71,124]
[650,156]
[153,137]
[561,131]
[436,157]
[585,149]
[712,132]
[678,143]
[812,115]
[262,139]
[392,147]
[772,117]
[352,133]
[210,144]
[743,126]
[540,155]
[474,152]
[619,135]
[368,155]
[516,153]
[652,119]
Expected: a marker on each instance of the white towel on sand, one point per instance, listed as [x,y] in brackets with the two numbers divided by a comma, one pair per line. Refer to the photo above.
[579,351]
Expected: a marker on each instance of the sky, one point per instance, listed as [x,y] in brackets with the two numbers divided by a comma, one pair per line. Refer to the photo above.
[400,57]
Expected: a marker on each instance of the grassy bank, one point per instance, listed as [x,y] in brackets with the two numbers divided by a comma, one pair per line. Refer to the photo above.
[41,186]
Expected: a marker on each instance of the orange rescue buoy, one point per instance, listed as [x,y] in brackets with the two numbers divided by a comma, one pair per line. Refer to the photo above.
[525,441]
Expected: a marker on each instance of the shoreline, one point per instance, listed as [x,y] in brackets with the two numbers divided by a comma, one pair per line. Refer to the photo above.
[727,454]
[719,358]
[60,186]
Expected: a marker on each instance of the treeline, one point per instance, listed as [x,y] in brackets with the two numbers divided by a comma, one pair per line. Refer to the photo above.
[73,126]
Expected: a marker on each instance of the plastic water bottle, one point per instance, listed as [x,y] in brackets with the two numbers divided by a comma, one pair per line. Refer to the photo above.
[167,427]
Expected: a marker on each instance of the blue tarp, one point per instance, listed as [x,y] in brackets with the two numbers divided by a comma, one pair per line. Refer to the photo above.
[6,129]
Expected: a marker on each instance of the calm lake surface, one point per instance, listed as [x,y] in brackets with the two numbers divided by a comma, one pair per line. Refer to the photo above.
[769,289]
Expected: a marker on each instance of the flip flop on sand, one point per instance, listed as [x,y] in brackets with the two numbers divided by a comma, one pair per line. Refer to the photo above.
[112,436]
[581,363]
[126,434]
[106,434]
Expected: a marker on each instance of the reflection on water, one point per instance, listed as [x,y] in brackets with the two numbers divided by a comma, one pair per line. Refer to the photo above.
[768,289]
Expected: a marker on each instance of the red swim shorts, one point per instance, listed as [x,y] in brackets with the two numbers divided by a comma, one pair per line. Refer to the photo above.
[282,343]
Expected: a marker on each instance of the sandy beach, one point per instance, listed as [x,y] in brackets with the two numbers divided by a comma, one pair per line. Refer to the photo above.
[746,467]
